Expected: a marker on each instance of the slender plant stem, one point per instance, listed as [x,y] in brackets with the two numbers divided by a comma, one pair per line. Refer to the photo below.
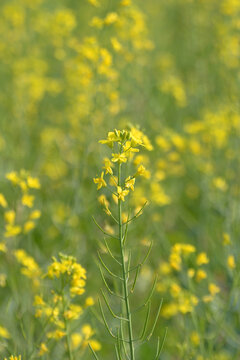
[124,272]
[68,341]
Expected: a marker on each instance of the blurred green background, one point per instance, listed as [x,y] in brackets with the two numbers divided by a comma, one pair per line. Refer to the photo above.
[73,70]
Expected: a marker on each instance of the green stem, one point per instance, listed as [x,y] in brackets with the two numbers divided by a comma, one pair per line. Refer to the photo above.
[124,272]
[68,341]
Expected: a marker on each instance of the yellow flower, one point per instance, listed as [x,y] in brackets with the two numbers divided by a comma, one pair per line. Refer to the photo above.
[113,136]
[3,278]
[111,18]
[128,148]
[33,182]
[226,239]
[87,331]
[175,290]
[13,177]
[213,289]
[108,166]
[202,259]
[38,300]
[96,346]
[231,262]
[195,339]
[28,226]
[116,44]
[170,310]
[3,247]
[35,214]
[28,200]
[100,181]
[57,334]
[220,184]
[96,22]
[121,158]
[10,216]
[200,275]
[191,273]
[94,2]
[125,2]
[12,230]
[175,261]
[89,301]
[122,193]
[129,183]
[73,312]
[141,171]
[43,349]
[103,200]
[29,266]
[4,333]
[76,340]
[3,201]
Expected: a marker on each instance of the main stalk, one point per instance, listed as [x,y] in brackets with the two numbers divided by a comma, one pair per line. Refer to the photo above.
[124,274]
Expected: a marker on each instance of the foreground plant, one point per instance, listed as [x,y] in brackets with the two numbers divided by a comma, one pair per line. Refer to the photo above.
[124,145]
[63,308]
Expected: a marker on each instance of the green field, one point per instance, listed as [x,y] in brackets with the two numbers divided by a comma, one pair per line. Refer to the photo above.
[119,174]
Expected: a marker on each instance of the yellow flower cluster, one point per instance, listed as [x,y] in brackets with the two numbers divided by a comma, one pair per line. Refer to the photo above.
[29,266]
[60,309]
[180,276]
[76,274]
[126,144]
[4,333]
[84,338]
[26,183]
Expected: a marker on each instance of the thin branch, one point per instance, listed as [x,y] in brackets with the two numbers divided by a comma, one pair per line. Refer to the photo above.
[149,296]
[109,271]
[135,279]
[159,350]
[128,264]
[110,252]
[104,320]
[106,284]
[110,309]
[137,214]
[119,344]
[144,259]
[106,324]
[155,322]
[125,233]
[93,352]
[124,347]
[116,349]
[146,321]
[103,231]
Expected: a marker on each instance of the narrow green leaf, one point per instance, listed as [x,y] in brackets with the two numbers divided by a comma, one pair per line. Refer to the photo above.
[135,216]
[146,321]
[109,271]
[103,231]
[156,319]
[110,252]
[159,351]
[110,309]
[104,320]
[93,352]
[106,284]
[135,279]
